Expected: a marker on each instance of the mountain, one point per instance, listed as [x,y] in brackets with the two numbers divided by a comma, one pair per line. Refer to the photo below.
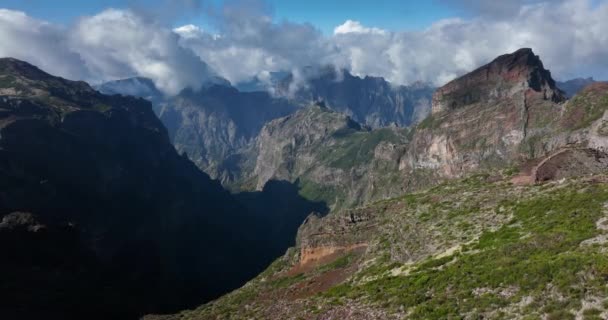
[372,101]
[331,157]
[101,218]
[501,113]
[574,86]
[265,82]
[508,220]
[216,124]
[137,87]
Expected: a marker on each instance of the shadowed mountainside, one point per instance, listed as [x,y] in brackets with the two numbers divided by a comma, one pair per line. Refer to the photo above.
[102,219]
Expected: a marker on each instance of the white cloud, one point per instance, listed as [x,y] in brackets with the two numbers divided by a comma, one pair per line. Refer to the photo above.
[40,43]
[351,26]
[110,45]
[118,43]
[189,31]
[569,35]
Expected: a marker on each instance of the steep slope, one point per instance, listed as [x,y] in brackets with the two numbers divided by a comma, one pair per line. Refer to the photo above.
[101,218]
[502,113]
[217,124]
[331,157]
[466,249]
[521,236]
[214,123]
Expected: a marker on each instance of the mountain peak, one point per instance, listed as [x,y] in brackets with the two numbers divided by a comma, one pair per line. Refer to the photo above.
[15,67]
[507,75]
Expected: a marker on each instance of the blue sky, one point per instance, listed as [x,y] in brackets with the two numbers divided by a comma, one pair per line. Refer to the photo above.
[98,45]
[324,14]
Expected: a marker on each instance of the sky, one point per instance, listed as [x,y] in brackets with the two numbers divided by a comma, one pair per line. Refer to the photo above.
[184,43]
[324,14]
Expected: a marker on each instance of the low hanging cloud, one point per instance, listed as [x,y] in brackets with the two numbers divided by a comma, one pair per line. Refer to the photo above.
[118,44]
[111,45]
[40,43]
[247,42]
[566,34]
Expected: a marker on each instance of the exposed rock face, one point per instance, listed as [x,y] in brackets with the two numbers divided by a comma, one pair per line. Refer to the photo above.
[569,163]
[506,76]
[371,101]
[120,223]
[217,122]
[330,156]
[500,113]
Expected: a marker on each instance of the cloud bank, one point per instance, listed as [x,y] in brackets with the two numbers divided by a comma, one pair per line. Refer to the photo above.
[569,36]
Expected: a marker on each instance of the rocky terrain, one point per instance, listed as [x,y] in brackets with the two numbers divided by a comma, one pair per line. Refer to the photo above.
[100,217]
[371,101]
[506,219]
[329,156]
[216,125]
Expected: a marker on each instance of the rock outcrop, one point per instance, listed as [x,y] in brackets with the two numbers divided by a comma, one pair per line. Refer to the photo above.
[504,112]
[518,73]
[331,157]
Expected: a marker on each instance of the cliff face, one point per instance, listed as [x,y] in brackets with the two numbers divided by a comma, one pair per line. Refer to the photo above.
[508,76]
[371,101]
[331,157]
[101,218]
[215,123]
[504,112]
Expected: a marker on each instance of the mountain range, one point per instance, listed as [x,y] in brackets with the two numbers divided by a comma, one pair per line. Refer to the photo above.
[507,219]
[485,198]
[215,124]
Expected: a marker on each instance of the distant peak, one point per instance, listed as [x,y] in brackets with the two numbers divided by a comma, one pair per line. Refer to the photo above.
[505,76]
[521,57]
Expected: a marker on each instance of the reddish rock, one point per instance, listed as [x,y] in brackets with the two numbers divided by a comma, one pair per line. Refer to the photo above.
[507,75]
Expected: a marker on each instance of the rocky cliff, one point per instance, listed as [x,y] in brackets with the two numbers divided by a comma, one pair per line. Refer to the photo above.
[502,113]
[331,157]
[508,76]
[102,218]
[371,101]
[217,125]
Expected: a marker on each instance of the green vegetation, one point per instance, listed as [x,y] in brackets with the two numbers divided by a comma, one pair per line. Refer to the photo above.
[316,192]
[430,122]
[342,262]
[463,249]
[7,81]
[538,254]
[287,281]
[355,148]
[585,108]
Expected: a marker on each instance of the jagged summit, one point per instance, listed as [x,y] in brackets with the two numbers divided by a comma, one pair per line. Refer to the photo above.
[506,76]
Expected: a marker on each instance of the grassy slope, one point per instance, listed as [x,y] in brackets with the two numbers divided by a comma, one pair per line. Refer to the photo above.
[484,248]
